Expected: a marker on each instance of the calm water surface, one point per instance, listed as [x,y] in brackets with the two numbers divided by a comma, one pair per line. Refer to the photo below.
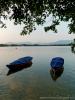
[35,82]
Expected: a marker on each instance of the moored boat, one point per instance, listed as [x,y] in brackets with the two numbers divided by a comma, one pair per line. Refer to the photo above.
[21,62]
[19,68]
[57,62]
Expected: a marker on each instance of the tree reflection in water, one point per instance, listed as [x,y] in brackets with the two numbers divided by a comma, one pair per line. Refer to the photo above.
[72,49]
[73,46]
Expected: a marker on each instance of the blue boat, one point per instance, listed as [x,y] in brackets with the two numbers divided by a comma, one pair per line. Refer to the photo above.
[20,68]
[21,62]
[57,62]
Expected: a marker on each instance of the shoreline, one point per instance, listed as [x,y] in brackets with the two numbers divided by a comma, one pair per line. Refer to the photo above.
[29,45]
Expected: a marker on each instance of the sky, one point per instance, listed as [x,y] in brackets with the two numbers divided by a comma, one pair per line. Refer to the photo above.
[12,34]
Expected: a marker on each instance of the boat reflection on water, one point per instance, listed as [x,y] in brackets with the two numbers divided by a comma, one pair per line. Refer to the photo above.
[56,73]
[19,68]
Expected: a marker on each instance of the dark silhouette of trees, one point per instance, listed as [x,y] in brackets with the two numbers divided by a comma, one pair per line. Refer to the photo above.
[32,12]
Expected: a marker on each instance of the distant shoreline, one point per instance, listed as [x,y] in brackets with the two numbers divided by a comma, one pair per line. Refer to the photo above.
[16,45]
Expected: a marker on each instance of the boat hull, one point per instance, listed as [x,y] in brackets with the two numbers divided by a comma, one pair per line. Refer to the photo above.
[20,63]
[57,62]
[19,66]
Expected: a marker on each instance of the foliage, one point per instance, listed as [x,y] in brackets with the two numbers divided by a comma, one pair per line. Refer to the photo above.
[32,12]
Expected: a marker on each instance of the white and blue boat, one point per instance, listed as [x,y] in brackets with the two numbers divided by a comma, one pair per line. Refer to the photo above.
[21,62]
[57,62]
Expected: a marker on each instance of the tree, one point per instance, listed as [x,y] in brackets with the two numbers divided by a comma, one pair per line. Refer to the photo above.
[32,12]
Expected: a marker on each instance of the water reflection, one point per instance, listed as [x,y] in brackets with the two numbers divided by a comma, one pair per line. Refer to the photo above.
[73,46]
[56,73]
[72,49]
[19,68]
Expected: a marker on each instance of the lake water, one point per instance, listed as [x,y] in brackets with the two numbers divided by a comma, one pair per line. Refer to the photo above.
[35,82]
